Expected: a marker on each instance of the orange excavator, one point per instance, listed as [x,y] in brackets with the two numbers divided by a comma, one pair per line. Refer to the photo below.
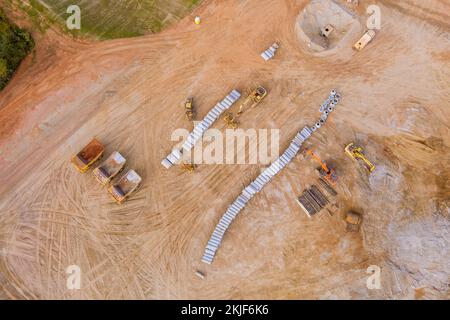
[325,172]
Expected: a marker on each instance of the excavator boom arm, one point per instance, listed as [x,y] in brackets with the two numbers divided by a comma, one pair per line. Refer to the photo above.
[369,164]
[356,153]
[317,158]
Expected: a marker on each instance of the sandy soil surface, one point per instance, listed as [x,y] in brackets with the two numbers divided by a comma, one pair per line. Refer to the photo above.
[129,94]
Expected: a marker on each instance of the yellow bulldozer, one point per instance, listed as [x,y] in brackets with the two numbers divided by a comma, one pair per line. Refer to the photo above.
[356,152]
[231,120]
[189,109]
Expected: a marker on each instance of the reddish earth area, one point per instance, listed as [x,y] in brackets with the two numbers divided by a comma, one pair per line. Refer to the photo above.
[129,94]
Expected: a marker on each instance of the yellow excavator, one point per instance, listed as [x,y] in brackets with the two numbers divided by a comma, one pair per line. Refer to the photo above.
[254,98]
[356,152]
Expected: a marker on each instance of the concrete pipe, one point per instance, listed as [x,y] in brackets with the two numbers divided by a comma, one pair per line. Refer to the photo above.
[313,128]
[330,109]
[333,92]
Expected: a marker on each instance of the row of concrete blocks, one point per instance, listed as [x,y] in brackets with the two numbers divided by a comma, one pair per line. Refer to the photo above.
[249,192]
[223,225]
[253,188]
[201,128]
[270,53]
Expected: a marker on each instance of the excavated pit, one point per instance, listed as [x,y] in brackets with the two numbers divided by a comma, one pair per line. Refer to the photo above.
[316,17]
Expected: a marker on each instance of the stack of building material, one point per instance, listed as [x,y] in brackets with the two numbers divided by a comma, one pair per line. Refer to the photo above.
[259,183]
[312,200]
[201,128]
[270,53]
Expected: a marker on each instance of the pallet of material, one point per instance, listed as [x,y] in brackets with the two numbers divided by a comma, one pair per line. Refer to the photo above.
[312,201]
[270,52]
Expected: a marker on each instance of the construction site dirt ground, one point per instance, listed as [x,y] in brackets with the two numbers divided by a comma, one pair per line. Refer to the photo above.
[129,94]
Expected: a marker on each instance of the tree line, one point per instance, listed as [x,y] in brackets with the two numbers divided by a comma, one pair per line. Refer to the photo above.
[15,45]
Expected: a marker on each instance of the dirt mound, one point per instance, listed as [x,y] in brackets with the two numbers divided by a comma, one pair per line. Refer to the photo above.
[328,16]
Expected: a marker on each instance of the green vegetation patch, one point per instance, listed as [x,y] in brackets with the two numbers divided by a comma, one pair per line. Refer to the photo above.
[106,19]
[15,45]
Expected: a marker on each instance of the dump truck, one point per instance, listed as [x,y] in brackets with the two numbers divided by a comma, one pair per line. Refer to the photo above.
[125,186]
[254,98]
[365,39]
[189,109]
[90,154]
[110,168]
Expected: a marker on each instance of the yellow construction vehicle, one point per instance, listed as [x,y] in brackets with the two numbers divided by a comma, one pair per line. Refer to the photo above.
[88,156]
[110,168]
[189,109]
[230,120]
[365,39]
[356,153]
[254,98]
[125,186]
[327,173]
[188,167]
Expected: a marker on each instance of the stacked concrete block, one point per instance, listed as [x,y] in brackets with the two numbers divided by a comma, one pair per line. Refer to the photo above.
[270,53]
[201,128]
[258,184]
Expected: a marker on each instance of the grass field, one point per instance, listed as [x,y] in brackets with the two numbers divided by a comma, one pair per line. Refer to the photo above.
[108,19]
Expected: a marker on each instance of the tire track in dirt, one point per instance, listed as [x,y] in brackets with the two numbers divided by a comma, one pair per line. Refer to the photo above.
[148,247]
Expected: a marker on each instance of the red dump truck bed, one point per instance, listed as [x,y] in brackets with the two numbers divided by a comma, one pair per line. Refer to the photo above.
[88,155]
